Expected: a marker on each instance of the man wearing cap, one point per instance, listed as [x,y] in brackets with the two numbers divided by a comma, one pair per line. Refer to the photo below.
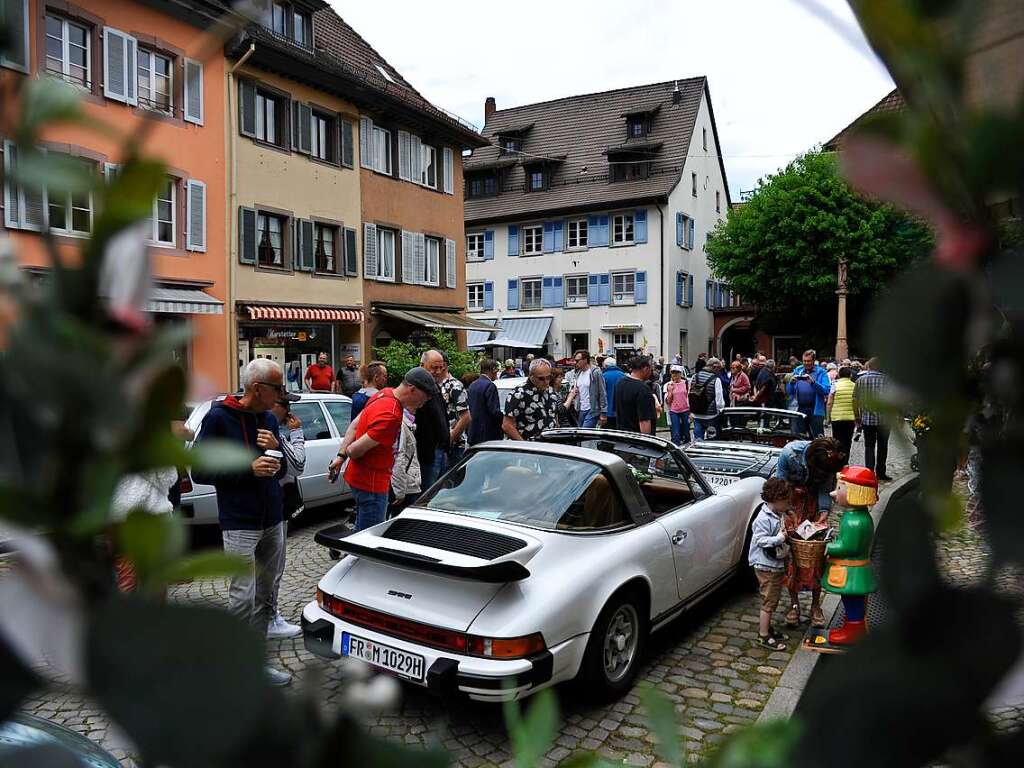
[510,371]
[369,444]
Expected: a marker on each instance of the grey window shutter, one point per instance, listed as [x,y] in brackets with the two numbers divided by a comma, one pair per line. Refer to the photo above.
[14,16]
[119,51]
[305,260]
[346,143]
[196,215]
[449,263]
[370,251]
[351,254]
[247,235]
[449,171]
[301,127]
[247,107]
[12,211]
[193,92]
[409,258]
[365,142]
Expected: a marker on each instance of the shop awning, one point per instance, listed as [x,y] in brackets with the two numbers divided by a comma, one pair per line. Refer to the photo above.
[529,331]
[448,320]
[479,338]
[183,300]
[304,314]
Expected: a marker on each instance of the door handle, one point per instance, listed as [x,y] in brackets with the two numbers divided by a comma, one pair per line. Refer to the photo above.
[679,537]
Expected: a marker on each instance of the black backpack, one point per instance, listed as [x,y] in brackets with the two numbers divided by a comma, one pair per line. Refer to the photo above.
[700,402]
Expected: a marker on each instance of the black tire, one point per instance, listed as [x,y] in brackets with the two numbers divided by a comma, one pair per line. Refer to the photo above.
[623,609]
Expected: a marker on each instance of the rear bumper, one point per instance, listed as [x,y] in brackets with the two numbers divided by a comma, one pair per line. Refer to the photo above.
[448,674]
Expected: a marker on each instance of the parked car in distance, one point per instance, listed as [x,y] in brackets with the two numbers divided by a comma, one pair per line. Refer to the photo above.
[324,418]
[505,387]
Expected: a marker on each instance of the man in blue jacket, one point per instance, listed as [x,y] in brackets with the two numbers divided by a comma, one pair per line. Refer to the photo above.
[612,375]
[250,503]
[485,414]
[810,386]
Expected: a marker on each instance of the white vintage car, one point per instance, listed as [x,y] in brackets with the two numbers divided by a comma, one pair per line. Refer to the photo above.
[531,563]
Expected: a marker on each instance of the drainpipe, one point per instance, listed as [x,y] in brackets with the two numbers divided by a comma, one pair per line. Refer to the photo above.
[661,292]
[232,223]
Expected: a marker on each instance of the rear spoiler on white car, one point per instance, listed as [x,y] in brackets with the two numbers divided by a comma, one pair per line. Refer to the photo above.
[441,548]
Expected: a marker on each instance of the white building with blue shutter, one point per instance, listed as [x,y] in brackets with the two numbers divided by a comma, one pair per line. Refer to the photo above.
[586,221]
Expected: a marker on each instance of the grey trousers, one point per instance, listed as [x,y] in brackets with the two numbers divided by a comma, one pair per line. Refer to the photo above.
[251,595]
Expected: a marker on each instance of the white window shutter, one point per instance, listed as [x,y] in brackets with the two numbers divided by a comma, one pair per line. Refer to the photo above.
[193,92]
[408,257]
[421,257]
[196,216]
[403,155]
[449,263]
[449,171]
[119,52]
[366,142]
[370,251]
[416,159]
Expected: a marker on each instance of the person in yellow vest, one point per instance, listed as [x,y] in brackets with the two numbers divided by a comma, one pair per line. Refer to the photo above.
[840,409]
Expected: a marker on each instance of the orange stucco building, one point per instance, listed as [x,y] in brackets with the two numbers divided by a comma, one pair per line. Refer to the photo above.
[149,70]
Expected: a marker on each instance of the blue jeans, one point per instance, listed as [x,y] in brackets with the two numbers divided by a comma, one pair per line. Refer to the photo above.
[700,427]
[371,508]
[680,424]
[435,469]
[588,418]
[455,455]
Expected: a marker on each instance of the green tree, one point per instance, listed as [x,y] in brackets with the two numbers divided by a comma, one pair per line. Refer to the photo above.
[400,356]
[781,249]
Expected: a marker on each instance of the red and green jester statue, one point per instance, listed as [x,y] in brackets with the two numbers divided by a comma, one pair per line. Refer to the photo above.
[848,569]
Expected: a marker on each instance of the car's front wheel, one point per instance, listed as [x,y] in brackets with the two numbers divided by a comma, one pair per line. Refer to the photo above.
[616,644]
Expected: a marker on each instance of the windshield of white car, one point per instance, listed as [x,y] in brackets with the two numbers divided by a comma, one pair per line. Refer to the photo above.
[549,492]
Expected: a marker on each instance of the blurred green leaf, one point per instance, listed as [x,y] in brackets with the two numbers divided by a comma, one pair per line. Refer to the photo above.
[54,171]
[217,455]
[661,716]
[202,565]
[47,100]
[25,508]
[765,745]
[531,736]
[129,197]
[93,508]
[16,681]
[153,543]
[185,683]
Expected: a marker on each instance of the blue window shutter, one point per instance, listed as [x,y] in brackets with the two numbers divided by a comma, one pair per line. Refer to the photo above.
[640,226]
[602,230]
[513,293]
[679,289]
[640,288]
[689,292]
[679,229]
[549,236]
[488,295]
[545,292]
[559,237]
[513,240]
[605,294]
[489,244]
[593,290]
[693,237]
[557,293]
[707,294]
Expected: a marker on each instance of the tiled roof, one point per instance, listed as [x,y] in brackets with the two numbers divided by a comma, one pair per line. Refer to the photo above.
[582,128]
[891,102]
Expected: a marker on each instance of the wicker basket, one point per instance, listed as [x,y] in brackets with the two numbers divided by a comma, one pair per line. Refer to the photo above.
[807,554]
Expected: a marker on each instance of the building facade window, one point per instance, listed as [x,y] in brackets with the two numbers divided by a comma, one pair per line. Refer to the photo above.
[623,287]
[325,243]
[302,29]
[475,246]
[510,144]
[163,222]
[382,150]
[429,175]
[624,340]
[576,291]
[622,229]
[637,128]
[533,240]
[704,136]
[155,81]
[70,213]
[268,110]
[385,255]
[577,233]
[693,184]
[535,180]
[430,277]
[718,201]
[474,296]
[626,171]
[293,24]
[270,240]
[323,145]
[531,293]
[68,54]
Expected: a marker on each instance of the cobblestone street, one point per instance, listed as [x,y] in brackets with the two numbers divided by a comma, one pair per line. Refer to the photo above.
[706,662]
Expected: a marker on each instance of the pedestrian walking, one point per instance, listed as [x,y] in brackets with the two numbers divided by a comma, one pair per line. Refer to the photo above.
[840,409]
[707,398]
[293,446]
[809,387]
[375,378]
[249,503]
[677,401]
[432,432]
[531,408]
[565,413]
[634,405]
[320,376]
[349,377]
[591,397]
[367,453]
[485,414]
[456,404]
[612,376]
[768,556]
[739,385]
[869,390]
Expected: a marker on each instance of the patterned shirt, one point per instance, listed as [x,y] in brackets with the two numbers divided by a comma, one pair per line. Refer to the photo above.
[870,388]
[456,403]
[533,410]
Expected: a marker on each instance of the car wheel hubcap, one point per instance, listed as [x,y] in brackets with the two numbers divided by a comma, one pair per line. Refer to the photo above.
[620,642]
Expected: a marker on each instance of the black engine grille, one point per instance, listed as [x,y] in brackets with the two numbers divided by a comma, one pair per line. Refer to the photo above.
[453,538]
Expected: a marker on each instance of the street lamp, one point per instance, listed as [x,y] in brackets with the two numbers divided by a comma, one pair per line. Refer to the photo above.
[842,349]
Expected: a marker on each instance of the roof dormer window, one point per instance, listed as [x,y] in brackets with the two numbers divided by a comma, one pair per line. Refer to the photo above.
[288,21]
[636,127]
[510,144]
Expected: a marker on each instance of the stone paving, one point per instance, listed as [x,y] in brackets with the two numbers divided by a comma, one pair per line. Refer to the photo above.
[706,662]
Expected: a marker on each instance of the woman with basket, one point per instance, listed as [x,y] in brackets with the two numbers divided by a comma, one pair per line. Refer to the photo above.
[810,466]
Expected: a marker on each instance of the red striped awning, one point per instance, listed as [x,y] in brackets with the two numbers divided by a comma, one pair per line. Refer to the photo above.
[304,314]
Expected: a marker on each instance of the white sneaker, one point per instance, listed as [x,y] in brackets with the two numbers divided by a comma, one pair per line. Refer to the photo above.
[277,677]
[279,629]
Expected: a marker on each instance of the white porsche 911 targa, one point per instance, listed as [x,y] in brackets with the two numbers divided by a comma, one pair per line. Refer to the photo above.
[532,563]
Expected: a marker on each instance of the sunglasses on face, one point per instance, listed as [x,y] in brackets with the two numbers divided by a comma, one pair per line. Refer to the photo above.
[277,387]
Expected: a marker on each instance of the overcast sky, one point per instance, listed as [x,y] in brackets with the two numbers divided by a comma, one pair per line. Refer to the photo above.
[784,74]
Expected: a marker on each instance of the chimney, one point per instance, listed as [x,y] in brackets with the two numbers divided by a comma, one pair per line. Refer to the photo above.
[490,107]
[677,95]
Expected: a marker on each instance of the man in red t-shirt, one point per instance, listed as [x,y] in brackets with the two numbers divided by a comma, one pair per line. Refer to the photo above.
[369,444]
[320,376]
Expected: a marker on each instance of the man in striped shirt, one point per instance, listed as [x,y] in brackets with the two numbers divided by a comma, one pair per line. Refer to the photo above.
[870,389]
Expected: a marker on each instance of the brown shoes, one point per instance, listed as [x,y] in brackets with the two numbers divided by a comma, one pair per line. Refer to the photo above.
[817,618]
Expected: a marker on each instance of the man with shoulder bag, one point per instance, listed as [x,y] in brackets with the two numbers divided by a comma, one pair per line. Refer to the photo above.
[707,399]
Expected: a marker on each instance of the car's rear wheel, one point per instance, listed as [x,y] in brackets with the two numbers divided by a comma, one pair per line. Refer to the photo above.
[616,644]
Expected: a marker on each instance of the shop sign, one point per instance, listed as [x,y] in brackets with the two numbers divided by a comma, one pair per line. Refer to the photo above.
[296,334]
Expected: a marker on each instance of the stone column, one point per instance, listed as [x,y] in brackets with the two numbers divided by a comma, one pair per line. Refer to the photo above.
[842,349]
